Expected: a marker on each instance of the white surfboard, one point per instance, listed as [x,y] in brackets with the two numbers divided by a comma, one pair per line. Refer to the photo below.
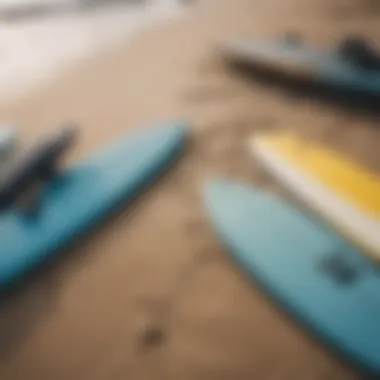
[343,193]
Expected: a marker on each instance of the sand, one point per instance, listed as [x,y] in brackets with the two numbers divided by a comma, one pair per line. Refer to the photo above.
[153,295]
[58,41]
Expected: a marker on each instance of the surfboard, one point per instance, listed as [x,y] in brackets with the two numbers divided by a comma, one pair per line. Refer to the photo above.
[82,196]
[314,274]
[39,163]
[8,141]
[339,189]
[301,61]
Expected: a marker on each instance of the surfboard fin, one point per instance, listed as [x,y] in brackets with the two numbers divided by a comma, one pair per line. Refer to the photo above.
[38,164]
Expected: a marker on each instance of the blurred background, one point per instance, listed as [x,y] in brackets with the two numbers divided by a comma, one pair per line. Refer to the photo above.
[152,295]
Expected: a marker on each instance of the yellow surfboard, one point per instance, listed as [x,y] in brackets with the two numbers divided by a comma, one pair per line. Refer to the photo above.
[343,192]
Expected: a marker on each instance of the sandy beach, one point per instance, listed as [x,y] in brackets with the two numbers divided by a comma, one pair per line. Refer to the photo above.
[37,47]
[153,294]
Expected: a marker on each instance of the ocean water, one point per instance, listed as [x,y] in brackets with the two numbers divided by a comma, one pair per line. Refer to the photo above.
[35,50]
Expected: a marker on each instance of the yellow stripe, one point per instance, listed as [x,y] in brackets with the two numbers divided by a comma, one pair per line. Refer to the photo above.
[342,175]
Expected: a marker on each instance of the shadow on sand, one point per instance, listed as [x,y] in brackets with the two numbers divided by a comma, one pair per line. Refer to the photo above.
[356,103]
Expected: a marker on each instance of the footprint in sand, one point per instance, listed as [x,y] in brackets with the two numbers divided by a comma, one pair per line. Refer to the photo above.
[152,337]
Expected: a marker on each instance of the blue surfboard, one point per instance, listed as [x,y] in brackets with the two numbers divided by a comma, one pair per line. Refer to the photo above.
[82,196]
[322,67]
[305,267]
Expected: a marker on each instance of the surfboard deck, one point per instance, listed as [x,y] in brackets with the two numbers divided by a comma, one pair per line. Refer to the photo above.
[339,189]
[305,267]
[81,197]
[305,62]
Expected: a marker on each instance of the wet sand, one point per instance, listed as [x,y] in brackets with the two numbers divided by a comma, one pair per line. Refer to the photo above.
[153,294]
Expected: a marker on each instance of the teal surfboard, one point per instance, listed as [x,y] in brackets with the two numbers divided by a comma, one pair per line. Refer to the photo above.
[82,196]
[321,67]
[309,270]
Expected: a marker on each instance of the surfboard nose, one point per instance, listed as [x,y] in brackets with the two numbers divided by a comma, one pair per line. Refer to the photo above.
[181,129]
[214,186]
[172,135]
[169,132]
[218,190]
[239,48]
